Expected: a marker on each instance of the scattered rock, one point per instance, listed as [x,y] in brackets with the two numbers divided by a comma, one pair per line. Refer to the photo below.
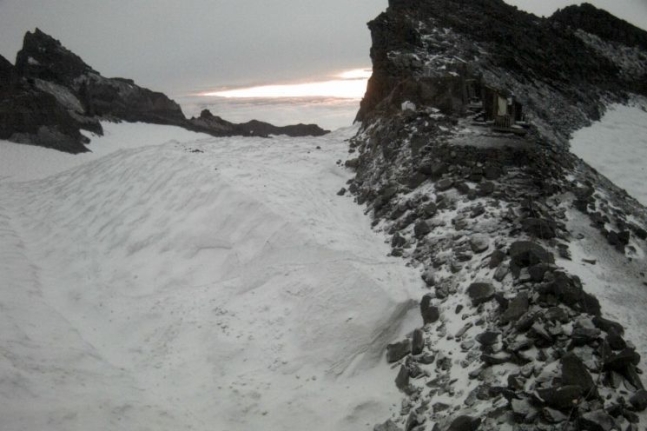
[397,351]
[462,188]
[417,342]
[501,272]
[465,423]
[539,228]
[429,277]
[639,400]
[480,293]
[527,253]
[608,326]
[575,373]
[479,243]
[402,379]
[387,426]
[619,361]
[486,188]
[421,229]
[553,416]
[562,398]
[597,420]
[516,308]
[496,258]
[488,338]
[444,184]
[522,410]
[430,313]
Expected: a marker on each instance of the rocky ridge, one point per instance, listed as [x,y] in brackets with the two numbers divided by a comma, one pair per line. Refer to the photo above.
[50,95]
[510,338]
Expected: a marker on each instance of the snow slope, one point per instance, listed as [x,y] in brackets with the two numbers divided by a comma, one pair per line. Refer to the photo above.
[194,284]
[617,147]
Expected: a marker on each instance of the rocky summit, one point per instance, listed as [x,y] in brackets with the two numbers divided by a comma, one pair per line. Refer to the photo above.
[50,95]
[462,157]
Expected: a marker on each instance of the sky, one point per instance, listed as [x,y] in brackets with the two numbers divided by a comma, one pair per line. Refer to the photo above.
[209,45]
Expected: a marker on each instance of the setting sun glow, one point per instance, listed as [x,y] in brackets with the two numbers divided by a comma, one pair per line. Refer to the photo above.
[350,84]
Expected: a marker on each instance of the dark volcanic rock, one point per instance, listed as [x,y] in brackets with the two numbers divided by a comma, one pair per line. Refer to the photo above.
[488,338]
[562,398]
[480,292]
[540,228]
[569,290]
[457,61]
[51,94]
[621,360]
[387,426]
[608,325]
[216,126]
[600,23]
[464,423]
[516,308]
[402,379]
[575,373]
[597,420]
[430,313]
[43,57]
[417,342]
[527,253]
[397,351]
[639,400]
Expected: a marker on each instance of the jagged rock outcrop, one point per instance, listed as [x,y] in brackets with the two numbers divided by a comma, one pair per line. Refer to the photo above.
[52,94]
[32,116]
[423,50]
[215,125]
[463,159]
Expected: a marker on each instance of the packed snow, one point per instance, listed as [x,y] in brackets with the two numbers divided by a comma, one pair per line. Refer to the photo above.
[174,281]
[617,147]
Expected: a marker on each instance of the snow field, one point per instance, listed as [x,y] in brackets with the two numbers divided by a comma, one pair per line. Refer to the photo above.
[617,147]
[199,283]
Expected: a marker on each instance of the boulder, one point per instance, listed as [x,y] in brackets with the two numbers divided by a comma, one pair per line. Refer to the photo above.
[397,351]
[527,253]
[569,291]
[516,308]
[496,258]
[417,342]
[402,379]
[639,400]
[562,398]
[488,338]
[479,243]
[575,373]
[486,188]
[608,326]
[464,423]
[444,184]
[480,292]
[597,420]
[421,229]
[539,228]
[553,416]
[430,313]
[620,360]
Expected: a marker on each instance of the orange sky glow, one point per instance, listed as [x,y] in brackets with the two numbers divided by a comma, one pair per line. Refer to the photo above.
[350,84]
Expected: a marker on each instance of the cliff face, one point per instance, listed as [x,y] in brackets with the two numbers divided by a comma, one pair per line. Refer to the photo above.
[463,159]
[52,94]
[534,58]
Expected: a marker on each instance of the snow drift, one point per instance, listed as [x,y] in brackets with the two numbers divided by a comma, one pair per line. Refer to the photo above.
[198,284]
